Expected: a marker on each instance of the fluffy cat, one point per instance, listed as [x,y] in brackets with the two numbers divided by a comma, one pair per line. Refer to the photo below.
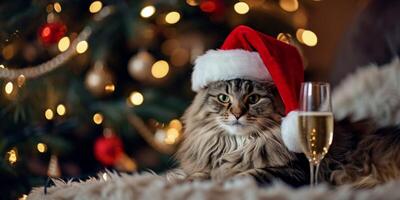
[232,128]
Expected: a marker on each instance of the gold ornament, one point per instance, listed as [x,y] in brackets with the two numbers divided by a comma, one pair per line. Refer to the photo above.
[139,66]
[54,169]
[98,78]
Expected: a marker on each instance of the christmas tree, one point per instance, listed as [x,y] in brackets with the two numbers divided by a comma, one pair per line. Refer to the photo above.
[94,85]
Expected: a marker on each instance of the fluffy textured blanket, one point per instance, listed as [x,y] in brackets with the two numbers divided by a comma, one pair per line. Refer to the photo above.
[147,186]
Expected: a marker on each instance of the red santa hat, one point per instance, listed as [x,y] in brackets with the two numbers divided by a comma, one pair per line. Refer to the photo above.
[252,55]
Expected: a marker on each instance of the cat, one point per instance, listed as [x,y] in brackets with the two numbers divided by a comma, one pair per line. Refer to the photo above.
[232,128]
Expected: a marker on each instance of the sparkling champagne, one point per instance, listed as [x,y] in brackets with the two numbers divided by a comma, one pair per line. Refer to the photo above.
[316,133]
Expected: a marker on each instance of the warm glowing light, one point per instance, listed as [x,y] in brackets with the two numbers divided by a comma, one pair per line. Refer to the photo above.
[109,88]
[172,17]
[12,156]
[95,6]
[192,2]
[23,197]
[98,118]
[41,147]
[63,44]
[2,66]
[309,38]
[136,98]
[289,5]
[9,87]
[172,135]
[82,46]
[176,124]
[49,114]
[241,8]
[160,69]
[147,11]
[57,7]
[61,110]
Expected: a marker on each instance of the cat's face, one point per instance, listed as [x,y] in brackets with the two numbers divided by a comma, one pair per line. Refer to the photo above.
[242,107]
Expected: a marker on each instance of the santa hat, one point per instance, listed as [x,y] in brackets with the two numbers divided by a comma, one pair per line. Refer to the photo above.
[252,55]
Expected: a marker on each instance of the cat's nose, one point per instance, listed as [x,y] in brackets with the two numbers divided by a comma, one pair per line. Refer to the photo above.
[237,115]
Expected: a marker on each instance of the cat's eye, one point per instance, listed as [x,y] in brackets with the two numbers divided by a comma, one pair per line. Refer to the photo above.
[223,98]
[254,98]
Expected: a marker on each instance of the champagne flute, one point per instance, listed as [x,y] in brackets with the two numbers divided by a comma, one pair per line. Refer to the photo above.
[315,124]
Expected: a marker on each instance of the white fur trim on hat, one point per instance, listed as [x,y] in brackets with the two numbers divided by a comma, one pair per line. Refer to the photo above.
[290,132]
[218,65]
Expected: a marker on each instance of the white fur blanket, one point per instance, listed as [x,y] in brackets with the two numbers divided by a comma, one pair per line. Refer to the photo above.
[148,186]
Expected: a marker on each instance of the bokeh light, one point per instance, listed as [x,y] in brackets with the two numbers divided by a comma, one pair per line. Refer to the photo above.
[95,6]
[172,17]
[98,118]
[136,98]
[49,114]
[82,46]
[61,110]
[160,69]
[63,44]
[147,11]
[241,8]
[41,147]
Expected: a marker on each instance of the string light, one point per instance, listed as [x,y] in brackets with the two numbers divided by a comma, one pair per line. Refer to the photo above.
[176,124]
[109,88]
[160,69]
[241,8]
[289,5]
[147,11]
[41,147]
[82,46]
[172,135]
[12,156]
[95,6]
[63,44]
[309,38]
[61,110]
[9,87]
[57,7]
[192,2]
[98,118]
[172,17]
[49,114]
[136,98]
[2,66]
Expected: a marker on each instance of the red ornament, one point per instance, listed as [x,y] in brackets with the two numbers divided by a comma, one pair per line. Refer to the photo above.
[212,6]
[51,33]
[108,149]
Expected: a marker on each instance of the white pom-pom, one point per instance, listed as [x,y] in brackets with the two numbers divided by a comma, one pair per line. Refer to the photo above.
[290,135]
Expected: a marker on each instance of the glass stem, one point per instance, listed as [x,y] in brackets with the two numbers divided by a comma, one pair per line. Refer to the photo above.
[314,169]
[316,174]
[311,175]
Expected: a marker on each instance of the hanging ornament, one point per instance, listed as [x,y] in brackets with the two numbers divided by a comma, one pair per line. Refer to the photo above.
[139,66]
[51,33]
[54,169]
[98,79]
[108,149]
